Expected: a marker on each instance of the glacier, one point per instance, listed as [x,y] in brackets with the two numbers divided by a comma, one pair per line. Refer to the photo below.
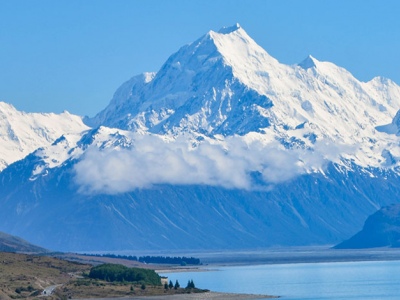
[223,148]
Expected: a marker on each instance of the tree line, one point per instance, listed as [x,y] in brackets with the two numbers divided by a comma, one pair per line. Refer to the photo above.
[190,285]
[170,260]
[176,260]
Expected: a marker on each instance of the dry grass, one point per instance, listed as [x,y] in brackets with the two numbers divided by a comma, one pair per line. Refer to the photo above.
[25,276]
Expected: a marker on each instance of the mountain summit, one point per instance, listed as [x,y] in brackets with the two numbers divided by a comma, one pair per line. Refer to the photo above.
[200,88]
[309,62]
[230,29]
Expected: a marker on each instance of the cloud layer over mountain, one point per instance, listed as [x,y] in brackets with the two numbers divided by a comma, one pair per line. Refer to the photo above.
[232,163]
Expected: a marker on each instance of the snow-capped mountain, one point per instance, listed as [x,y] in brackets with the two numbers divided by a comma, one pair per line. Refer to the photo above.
[224,146]
[21,133]
[224,83]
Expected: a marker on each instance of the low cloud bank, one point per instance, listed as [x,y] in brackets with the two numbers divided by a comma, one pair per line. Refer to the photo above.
[231,163]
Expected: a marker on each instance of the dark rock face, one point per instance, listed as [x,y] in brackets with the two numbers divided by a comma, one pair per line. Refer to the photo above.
[382,229]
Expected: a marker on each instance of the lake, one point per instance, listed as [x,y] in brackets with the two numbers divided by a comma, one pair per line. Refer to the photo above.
[373,280]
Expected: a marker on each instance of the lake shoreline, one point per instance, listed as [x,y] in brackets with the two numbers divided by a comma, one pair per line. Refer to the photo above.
[195,296]
[314,281]
[214,260]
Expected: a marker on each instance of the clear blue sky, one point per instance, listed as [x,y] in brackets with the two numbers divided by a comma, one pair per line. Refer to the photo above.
[73,54]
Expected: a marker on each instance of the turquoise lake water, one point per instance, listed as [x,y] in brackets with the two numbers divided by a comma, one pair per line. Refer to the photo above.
[304,281]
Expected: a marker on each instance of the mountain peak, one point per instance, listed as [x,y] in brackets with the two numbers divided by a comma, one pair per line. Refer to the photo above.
[229,29]
[7,106]
[309,62]
[381,80]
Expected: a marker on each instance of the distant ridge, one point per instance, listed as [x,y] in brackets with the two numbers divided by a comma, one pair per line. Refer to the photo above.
[382,229]
[10,243]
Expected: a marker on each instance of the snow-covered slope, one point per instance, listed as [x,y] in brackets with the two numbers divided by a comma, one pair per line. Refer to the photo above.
[22,133]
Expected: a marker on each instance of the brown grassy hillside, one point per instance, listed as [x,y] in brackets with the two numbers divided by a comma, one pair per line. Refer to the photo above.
[24,275]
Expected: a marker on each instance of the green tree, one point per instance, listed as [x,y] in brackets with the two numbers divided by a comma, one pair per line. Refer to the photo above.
[177,285]
[166,287]
[143,287]
[190,284]
[171,285]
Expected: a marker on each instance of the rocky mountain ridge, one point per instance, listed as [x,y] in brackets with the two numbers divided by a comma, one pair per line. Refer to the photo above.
[21,133]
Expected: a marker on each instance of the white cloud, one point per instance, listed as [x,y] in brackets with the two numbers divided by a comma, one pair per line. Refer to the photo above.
[228,164]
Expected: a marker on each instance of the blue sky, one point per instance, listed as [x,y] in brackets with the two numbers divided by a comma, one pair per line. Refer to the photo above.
[72,54]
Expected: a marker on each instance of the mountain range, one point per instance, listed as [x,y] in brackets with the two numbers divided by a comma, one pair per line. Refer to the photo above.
[223,148]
